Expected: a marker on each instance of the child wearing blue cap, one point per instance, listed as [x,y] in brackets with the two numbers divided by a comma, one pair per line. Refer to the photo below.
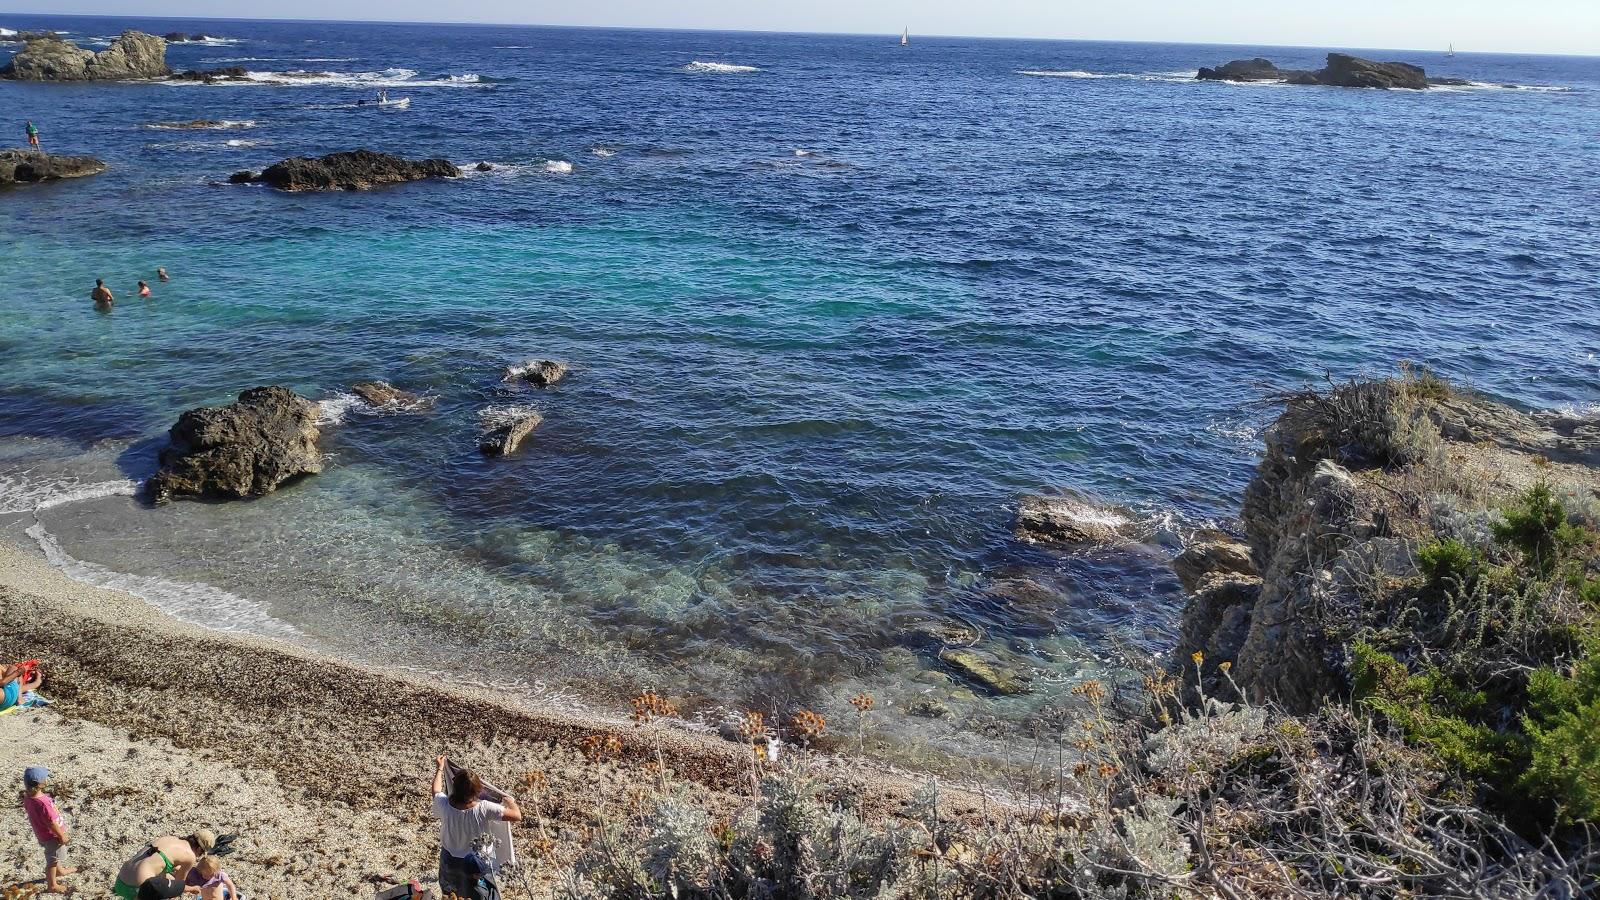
[47,826]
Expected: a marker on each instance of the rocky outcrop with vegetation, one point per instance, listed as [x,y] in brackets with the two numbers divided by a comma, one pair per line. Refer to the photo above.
[26,166]
[1390,689]
[46,57]
[245,449]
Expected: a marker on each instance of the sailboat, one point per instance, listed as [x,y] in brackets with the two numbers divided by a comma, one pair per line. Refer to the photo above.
[1451,53]
[905,37]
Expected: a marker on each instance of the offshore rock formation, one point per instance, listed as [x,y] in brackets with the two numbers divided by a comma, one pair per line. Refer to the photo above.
[133,55]
[245,449]
[1352,484]
[350,170]
[1342,70]
[385,396]
[23,166]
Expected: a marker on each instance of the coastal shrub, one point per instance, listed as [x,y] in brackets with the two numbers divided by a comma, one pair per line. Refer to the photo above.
[1492,664]
[1372,423]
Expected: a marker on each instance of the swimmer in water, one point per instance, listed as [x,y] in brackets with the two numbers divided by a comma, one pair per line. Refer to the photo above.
[161,273]
[144,289]
[101,295]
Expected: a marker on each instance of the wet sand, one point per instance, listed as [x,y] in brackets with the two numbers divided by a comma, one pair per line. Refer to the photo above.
[321,766]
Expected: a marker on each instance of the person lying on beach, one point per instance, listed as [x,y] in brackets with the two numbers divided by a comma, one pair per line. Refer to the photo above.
[215,883]
[17,680]
[101,294]
[464,820]
[161,866]
[48,828]
[144,289]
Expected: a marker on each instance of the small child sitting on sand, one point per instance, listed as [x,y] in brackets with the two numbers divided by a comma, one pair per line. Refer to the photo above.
[216,885]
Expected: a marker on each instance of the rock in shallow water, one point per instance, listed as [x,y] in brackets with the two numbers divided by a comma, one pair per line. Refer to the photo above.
[350,170]
[1342,70]
[383,395]
[245,449]
[507,429]
[1068,520]
[24,166]
[537,372]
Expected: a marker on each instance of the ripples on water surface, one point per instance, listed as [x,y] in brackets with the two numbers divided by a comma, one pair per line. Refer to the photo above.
[832,305]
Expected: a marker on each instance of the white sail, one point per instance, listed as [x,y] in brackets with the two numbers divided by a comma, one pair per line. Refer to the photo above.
[905,37]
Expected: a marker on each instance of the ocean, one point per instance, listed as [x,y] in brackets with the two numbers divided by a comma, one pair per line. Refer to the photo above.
[832,306]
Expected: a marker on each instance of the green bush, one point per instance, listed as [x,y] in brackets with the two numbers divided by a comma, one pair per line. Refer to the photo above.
[1563,728]
[1450,563]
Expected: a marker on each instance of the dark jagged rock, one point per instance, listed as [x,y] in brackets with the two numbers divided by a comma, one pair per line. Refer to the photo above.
[245,449]
[178,37]
[133,55]
[211,76]
[1342,70]
[484,167]
[351,170]
[23,166]
[506,430]
[537,372]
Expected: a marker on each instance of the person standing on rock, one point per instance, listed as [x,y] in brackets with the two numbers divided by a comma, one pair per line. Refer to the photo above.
[101,295]
[32,131]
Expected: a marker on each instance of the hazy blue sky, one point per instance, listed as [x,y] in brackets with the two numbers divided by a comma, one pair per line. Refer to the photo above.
[1554,26]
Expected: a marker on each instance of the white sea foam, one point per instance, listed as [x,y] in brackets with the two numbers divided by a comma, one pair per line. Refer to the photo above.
[195,602]
[221,125]
[388,78]
[716,68]
[19,494]
[1109,76]
[304,59]
[6,32]
[603,151]
[516,170]
[558,167]
[805,153]
[498,416]
[334,410]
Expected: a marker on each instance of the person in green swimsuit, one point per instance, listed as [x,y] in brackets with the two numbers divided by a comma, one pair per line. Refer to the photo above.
[161,866]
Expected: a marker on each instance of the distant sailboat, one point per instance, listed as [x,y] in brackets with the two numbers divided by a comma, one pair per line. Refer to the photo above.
[905,37]
[1451,53]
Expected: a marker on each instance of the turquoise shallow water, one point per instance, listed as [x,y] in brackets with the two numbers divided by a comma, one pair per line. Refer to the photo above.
[808,386]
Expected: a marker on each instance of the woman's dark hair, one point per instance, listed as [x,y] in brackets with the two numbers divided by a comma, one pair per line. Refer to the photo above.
[465,787]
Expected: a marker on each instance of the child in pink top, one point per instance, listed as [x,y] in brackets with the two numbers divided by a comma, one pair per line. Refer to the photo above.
[48,828]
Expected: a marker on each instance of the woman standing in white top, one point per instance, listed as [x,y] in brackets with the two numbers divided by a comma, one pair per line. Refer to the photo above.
[464,819]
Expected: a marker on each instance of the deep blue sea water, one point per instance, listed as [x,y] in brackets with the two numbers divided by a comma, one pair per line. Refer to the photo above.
[832,306]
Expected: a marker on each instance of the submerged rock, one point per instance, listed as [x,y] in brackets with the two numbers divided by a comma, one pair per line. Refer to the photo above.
[245,449]
[350,170]
[985,671]
[506,429]
[133,55]
[537,372]
[23,166]
[1068,520]
[383,395]
[202,124]
[929,708]
[1342,70]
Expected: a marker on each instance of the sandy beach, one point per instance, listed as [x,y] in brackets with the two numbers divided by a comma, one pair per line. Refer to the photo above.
[320,766]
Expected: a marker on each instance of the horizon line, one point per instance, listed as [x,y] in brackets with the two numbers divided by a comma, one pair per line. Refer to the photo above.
[751,31]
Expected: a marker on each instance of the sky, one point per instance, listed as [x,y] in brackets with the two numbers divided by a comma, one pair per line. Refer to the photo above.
[1531,26]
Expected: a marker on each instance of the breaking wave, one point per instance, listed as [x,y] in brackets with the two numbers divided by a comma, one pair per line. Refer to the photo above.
[716,68]
[194,602]
[219,125]
[21,495]
[388,78]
